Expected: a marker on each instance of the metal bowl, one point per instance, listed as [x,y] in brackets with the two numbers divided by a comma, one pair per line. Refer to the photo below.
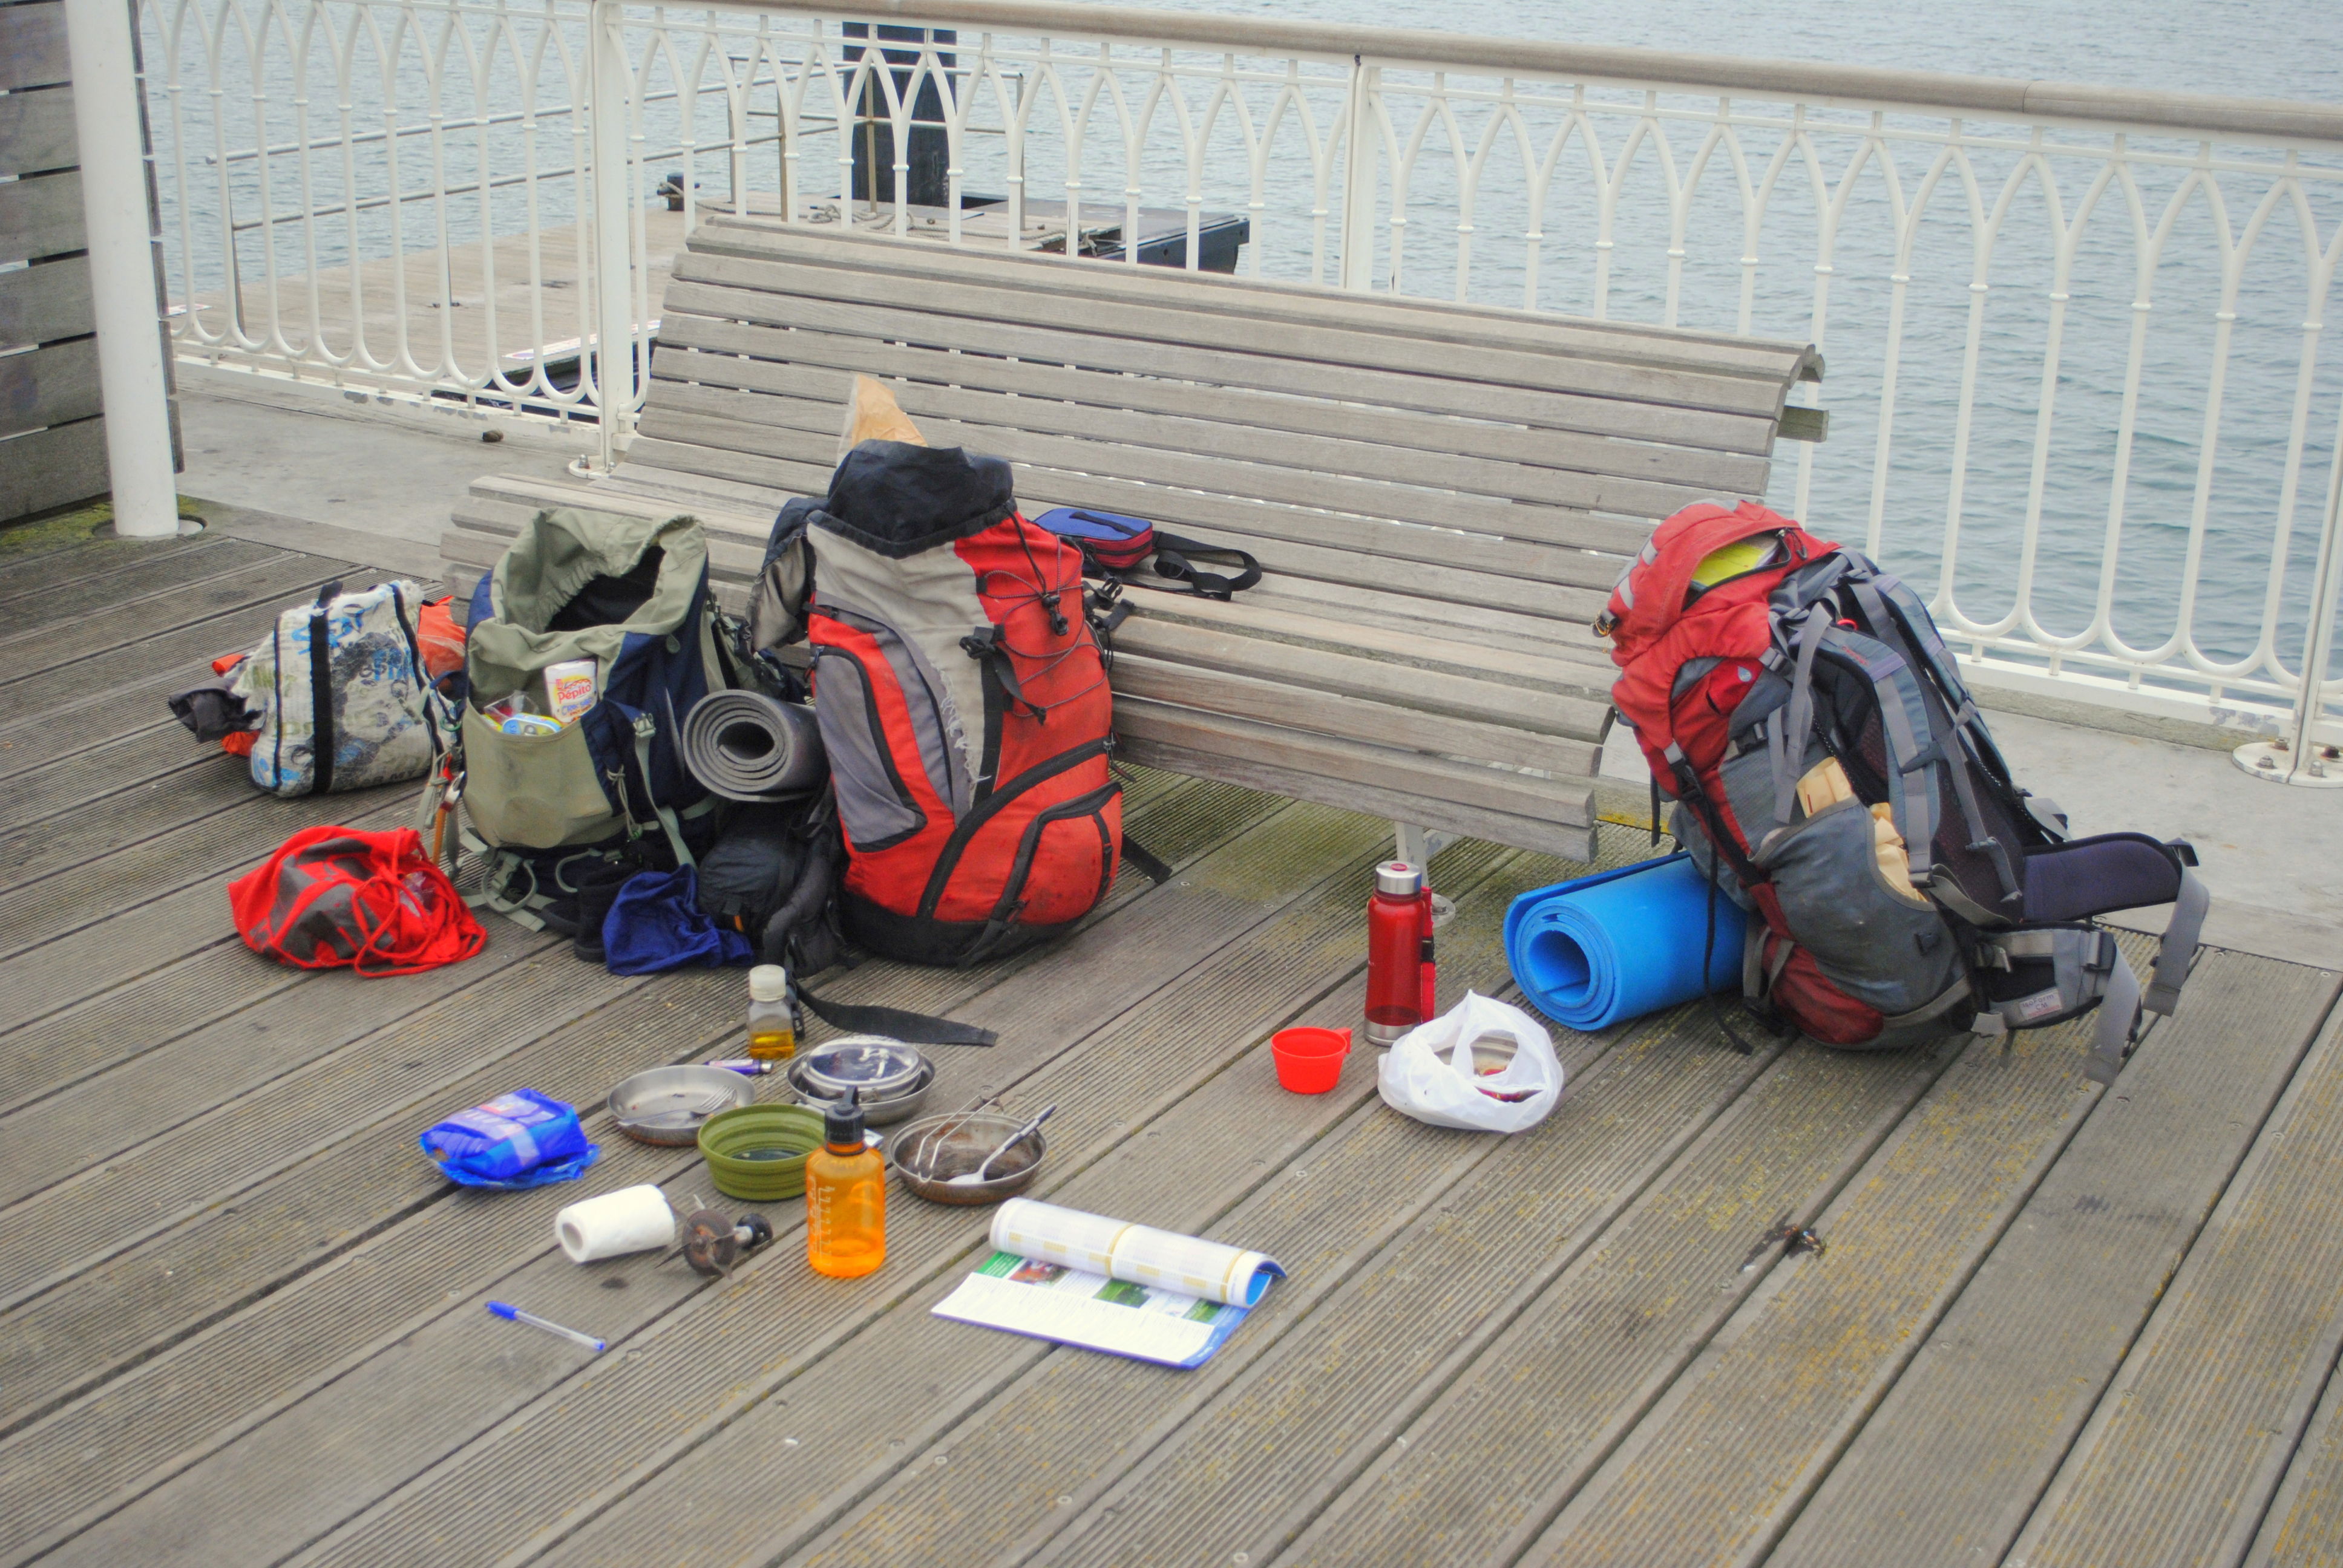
[872,1063]
[666,1104]
[878,1110]
[929,1153]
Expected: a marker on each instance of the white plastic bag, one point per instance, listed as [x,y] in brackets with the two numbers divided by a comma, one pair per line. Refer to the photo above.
[1428,1073]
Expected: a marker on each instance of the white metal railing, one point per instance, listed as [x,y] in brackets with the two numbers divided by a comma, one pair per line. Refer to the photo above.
[2073,333]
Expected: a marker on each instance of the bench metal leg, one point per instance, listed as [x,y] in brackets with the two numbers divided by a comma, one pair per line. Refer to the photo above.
[1418,845]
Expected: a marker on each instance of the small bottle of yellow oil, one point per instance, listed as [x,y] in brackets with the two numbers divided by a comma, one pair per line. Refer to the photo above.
[772,1021]
[846,1196]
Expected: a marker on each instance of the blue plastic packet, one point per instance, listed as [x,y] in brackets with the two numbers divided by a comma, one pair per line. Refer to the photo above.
[515,1140]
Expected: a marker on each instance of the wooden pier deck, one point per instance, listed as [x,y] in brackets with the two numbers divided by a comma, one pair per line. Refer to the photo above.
[241,1324]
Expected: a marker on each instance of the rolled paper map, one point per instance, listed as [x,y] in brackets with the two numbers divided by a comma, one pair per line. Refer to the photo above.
[1140,1254]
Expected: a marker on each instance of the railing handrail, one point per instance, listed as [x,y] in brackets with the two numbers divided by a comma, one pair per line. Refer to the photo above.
[2180,113]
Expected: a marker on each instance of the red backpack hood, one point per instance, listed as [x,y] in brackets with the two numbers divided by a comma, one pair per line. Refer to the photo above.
[1654,632]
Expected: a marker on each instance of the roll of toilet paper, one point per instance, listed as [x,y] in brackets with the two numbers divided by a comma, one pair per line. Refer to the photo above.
[632,1219]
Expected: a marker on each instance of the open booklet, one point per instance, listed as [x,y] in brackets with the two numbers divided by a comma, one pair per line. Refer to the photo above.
[1108,1285]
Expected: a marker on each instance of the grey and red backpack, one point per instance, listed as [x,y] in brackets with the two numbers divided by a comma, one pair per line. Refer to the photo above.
[1833,776]
[962,701]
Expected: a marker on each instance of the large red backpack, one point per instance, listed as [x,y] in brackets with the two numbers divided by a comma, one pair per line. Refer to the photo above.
[963,704]
[1834,777]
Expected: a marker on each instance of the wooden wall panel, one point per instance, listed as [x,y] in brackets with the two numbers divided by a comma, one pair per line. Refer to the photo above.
[51,386]
[32,45]
[42,304]
[36,130]
[40,217]
[51,468]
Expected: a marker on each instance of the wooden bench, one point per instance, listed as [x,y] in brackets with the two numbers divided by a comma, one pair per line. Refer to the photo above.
[1441,496]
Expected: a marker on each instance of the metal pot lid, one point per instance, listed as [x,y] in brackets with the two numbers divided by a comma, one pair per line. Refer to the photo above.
[870,1063]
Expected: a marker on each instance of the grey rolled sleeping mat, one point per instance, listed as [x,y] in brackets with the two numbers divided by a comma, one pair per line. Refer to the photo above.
[747,746]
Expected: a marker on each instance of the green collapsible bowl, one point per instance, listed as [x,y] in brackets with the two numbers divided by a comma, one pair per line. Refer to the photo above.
[756,1153]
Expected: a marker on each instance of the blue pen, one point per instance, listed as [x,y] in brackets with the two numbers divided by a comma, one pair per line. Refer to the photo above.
[514,1315]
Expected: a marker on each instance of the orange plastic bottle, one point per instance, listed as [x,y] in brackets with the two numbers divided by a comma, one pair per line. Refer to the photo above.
[846,1196]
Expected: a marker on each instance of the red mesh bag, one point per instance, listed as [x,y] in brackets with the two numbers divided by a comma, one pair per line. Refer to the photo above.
[343,898]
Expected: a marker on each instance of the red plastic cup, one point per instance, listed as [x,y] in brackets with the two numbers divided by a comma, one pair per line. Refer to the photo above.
[1309,1060]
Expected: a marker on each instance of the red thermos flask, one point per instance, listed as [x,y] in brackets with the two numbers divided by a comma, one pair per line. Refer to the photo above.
[1400,969]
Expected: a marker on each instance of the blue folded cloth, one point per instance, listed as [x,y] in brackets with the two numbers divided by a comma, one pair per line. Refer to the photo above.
[656,924]
[514,1141]
[1623,943]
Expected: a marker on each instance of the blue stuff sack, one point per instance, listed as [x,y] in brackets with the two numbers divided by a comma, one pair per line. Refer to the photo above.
[513,1141]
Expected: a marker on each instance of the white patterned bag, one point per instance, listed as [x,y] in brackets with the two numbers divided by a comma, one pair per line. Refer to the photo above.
[339,688]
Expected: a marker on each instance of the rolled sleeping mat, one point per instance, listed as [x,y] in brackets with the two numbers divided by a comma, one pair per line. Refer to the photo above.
[745,746]
[1622,943]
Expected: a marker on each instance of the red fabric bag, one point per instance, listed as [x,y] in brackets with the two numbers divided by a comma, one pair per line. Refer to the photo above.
[335,897]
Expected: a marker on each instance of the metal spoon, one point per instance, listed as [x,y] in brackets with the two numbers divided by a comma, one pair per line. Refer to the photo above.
[976,1177]
[922,1152]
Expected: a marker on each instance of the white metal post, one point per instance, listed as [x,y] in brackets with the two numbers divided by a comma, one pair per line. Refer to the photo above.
[2298,759]
[613,247]
[122,270]
[1358,258]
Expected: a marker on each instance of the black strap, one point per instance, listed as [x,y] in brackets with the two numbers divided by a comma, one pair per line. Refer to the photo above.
[1171,553]
[1707,955]
[321,694]
[415,658]
[1143,859]
[896,1024]
[986,648]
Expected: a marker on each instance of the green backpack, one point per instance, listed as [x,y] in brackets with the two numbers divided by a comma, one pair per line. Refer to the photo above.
[585,649]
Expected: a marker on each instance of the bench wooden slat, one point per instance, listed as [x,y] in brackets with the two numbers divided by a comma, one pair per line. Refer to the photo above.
[1049,345]
[1492,789]
[730,449]
[1349,775]
[1494,627]
[707,420]
[1546,546]
[1514,441]
[1547,670]
[1376,721]
[1272,299]
[819,392]
[1378,680]
[1028,296]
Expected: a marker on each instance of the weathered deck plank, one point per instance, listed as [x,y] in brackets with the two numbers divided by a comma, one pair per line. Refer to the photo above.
[2194,1434]
[1549,1396]
[1200,1463]
[364,1190]
[1232,1140]
[34,573]
[2303,1528]
[131,913]
[728,1350]
[243,1317]
[207,784]
[78,665]
[1950,1465]
[136,760]
[145,578]
[1356,1364]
